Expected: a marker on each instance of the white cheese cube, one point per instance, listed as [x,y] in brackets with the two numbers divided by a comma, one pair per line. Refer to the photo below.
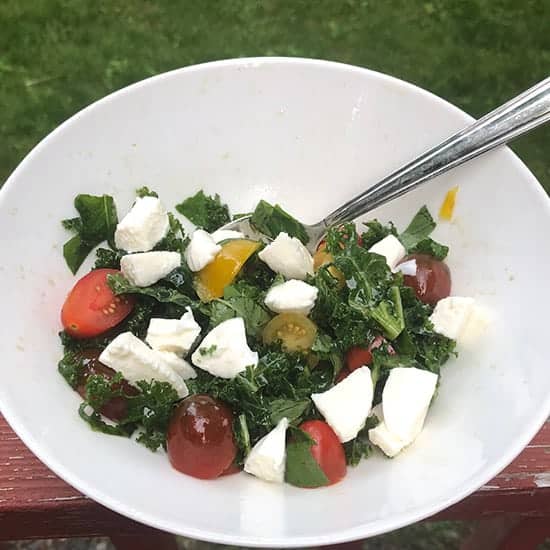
[451,315]
[390,444]
[201,250]
[267,458]
[146,268]
[408,268]
[177,364]
[291,297]
[224,351]
[346,405]
[288,256]
[175,335]
[131,357]
[143,227]
[226,235]
[391,248]
[405,400]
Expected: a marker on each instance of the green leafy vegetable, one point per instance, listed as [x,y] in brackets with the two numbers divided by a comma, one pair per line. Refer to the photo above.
[360,447]
[160,292]
[71,367]
[419,229]
[97,223]
[272,220]
[146,192]
[204,211]
[302,469]
[148,412]
[287,408]
[175,240]
[430,247]
[240,300]
[242,436]
[107,258]
[376,232]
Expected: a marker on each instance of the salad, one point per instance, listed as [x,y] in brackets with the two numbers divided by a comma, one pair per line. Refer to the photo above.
[236,353]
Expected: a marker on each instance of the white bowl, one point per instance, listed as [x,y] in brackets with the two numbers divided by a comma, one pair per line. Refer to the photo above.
[306,134]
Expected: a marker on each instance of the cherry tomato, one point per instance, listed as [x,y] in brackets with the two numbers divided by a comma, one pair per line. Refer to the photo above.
[200,437]
[327,449]
[358,356]
[117,407]
[295,331]
[211,281]
[432,281]
[91,307]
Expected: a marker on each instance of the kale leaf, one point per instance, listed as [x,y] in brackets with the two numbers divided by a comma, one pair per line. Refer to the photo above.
[376,232]
[360,447]
[240,300]
[272,220]
[97,223]
[107,258]
[146,192]
[204,211]
[159,291]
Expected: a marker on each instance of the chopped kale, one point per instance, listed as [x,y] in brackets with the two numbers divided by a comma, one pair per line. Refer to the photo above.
[204,211]
[272,220]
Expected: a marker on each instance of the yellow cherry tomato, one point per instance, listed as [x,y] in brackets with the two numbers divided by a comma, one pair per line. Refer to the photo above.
[322,257]
[211,281]
[295,331]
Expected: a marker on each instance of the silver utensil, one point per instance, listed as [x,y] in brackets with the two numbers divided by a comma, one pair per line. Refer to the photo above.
[518,116]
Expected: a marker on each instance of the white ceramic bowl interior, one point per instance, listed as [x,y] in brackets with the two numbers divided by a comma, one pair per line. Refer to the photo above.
[308,135]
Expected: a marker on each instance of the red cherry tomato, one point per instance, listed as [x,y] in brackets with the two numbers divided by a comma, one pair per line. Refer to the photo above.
[432,281]
[327,449]
[358,356]
[91,307]
[200,437]
[116,408]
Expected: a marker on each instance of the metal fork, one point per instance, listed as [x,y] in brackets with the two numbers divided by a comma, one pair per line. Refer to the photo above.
[516,117]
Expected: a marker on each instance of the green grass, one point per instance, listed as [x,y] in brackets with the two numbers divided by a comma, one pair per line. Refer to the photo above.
[56,56]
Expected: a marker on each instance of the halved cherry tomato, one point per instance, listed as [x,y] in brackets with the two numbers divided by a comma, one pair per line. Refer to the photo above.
[117,407]
[211,281]
[295,331]
[432,281]
[327,449]
[200,439]
[91,307]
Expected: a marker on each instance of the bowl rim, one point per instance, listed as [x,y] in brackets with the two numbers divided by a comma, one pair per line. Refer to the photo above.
[363,531]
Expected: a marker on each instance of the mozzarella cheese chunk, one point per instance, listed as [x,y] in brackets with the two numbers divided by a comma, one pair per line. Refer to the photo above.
[346,405]
[408,267]
[146,268]
[177,364]
[405,401]
[174,335]
[451,315]
[201,250]
[226,235]
[136,361]
[267,458]
[390,444]
[292,297]
[224,351]
[391,248]
[143,227]
[288,256]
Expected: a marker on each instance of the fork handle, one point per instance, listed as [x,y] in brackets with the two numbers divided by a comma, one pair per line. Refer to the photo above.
[519,115]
